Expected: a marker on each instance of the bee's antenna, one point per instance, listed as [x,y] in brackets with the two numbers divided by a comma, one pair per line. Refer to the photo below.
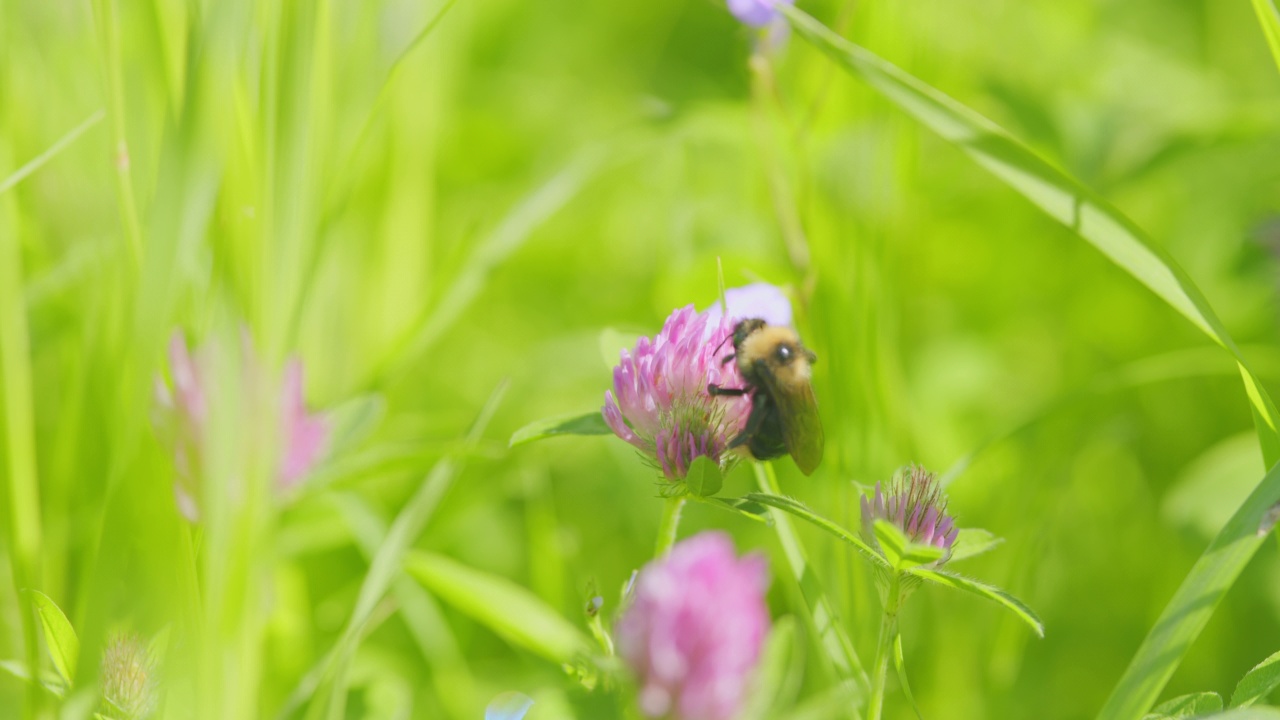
[726,339]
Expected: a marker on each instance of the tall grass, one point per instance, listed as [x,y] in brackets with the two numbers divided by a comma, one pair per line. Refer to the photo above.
[423,200]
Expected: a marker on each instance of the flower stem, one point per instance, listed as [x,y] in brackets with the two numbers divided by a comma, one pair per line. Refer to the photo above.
[821,616]
[888,631]
[667,530]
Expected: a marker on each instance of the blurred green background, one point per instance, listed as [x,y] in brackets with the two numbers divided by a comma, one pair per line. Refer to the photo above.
[420,210]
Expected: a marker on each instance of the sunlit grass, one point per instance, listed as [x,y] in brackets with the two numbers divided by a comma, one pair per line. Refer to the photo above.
[425,201]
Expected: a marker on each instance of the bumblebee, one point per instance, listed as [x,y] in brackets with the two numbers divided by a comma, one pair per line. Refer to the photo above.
[776,368]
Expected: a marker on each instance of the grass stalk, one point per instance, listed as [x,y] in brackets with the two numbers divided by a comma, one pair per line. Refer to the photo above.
[22,486]
[104,16]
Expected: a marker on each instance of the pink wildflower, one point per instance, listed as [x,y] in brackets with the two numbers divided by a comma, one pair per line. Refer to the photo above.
[183,413]
[659,402]
[916,503]
[694,630]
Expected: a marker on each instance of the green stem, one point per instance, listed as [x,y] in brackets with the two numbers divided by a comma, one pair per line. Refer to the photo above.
[821,617]
[108,36]
[670,525]
[888,631]
[780,191]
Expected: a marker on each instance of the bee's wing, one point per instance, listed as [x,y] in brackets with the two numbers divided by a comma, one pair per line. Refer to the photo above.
[797,410]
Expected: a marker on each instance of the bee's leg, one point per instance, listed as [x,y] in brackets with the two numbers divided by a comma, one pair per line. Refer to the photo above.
[714,390]
[725,360]
[758,413]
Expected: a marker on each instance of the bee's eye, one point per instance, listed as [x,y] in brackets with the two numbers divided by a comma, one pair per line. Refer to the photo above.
[784,353]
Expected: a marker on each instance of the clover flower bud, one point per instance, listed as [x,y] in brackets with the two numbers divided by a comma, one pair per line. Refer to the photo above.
[128,677]
[916,503]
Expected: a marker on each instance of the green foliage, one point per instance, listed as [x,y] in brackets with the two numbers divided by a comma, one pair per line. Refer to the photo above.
[969,585]
[418,200]
[1258,683]
[501,605]
[971,542]
[591,423]
[1187,706]
[1269,18]
[59,637]
[780,674]
[704,478]
[903,554]
[798,509]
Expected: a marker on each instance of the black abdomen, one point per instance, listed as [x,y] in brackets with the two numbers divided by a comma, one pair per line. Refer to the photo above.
[767,442]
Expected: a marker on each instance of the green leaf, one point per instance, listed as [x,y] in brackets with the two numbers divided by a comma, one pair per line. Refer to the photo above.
[778,675]
[971,542]
[1253,713]
[981,589]
[1193,705]
[49,680]
[900,666]
[901,552]
[1269,18]
[59,636]
[591,423]
[1258,683]
[1193,604]
[1060,196]
[800,510]
[353,421]
[739,506]
[499,604]
[704,478]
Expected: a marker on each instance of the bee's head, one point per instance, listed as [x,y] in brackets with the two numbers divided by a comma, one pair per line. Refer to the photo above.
[744,329]
[787,349]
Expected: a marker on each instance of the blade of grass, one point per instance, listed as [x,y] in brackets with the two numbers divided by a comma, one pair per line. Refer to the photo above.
[40,160]
[104,17]
[821,614]
[1193,604]
[1060,196]
[505,239]
[19,443]
[387,561]
[504,607]
[1269,18]
[421,614]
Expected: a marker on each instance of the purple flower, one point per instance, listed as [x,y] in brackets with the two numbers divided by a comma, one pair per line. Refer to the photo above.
[659,402]
[758,300]
[694,629]
[182,414]
[756,13]
[916,504]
